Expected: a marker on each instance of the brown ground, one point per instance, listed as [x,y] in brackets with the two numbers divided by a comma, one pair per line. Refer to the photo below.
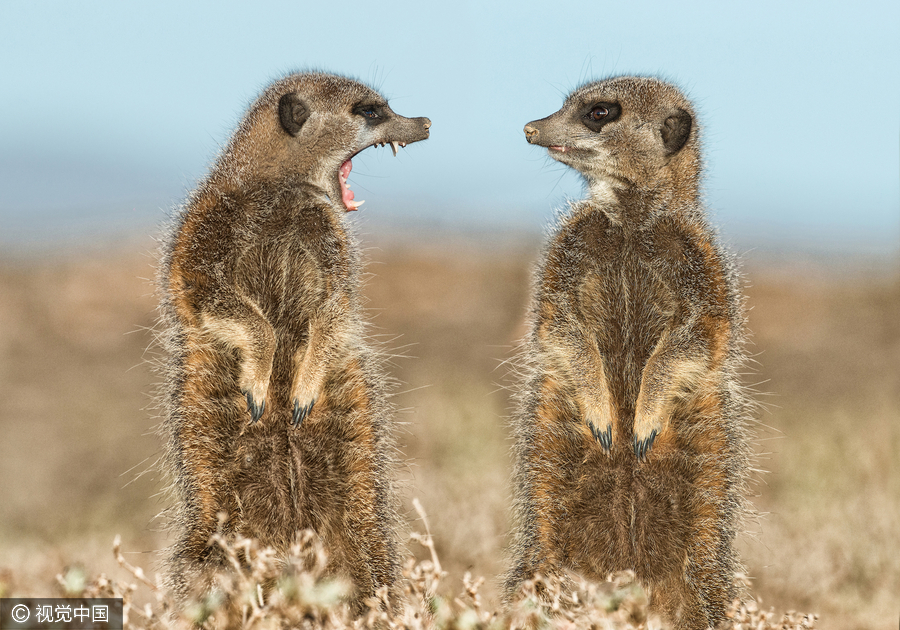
[76,427]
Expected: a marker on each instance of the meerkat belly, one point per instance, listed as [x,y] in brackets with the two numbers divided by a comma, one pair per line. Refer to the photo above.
[626,309]
[637,513]
[288,478]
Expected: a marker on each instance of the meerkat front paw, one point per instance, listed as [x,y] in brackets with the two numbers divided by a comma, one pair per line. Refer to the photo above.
[255,393]
[254,338]
[603,436]
[646,429]
[599,419]
[301,411]
[642,447]
[305,396]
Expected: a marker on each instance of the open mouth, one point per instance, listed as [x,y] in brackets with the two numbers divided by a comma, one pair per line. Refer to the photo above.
[346,193]
[347,196]
[556,147]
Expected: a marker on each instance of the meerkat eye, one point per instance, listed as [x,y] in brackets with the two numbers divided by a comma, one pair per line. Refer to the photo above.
[372,112]
[596,115]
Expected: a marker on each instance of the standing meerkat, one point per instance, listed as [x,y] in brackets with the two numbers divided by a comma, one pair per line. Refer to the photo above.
[275,410]
[631,445]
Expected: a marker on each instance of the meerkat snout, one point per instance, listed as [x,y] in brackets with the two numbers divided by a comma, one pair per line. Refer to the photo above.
[530,132]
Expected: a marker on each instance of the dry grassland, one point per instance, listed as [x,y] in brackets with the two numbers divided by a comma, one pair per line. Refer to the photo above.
[77,447]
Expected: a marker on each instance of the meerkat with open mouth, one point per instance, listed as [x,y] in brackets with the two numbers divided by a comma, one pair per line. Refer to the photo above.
[275,405]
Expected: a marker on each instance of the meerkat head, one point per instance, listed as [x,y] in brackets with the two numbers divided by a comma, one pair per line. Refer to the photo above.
[309,126]
[623,133]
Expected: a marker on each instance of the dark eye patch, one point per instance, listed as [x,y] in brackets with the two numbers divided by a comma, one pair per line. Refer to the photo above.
[596,115]
[373,113]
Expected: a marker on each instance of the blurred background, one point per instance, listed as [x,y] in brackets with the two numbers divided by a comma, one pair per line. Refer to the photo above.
[111,112]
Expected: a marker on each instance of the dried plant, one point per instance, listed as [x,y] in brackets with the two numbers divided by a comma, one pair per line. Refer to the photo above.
[262,590]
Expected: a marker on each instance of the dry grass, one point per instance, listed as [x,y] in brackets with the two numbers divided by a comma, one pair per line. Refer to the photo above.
[260,590]
[75,436]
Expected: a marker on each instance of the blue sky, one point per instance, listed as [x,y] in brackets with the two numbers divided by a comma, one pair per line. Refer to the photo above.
[111,111]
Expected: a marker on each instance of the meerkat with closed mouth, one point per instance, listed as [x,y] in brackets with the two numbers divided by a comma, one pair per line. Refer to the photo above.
[631,423]
[275,405]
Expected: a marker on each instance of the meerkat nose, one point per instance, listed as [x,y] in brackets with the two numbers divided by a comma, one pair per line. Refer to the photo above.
[530,133]
[427,124]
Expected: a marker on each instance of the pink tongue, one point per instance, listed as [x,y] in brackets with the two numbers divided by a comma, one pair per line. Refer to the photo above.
[346,193]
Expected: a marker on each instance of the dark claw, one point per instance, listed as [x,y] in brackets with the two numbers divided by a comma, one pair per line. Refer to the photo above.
[650,441]
[301,413]
[604,437]
[642,447]
[256,411]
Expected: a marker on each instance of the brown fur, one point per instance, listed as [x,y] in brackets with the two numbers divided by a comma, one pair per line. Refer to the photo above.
[631,422]
[276,411]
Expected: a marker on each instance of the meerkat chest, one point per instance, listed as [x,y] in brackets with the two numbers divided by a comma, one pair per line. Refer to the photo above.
[620,296]
[285,269]
[625,304]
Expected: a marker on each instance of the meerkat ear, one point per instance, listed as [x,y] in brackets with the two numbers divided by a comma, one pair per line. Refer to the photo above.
[675,130]
[292,112]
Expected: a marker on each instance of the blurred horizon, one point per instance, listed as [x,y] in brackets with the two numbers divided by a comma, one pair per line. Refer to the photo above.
[113,113]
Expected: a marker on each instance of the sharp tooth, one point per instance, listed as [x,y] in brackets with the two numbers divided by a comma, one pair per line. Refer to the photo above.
[402,144]
[357,204]
[394,147]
